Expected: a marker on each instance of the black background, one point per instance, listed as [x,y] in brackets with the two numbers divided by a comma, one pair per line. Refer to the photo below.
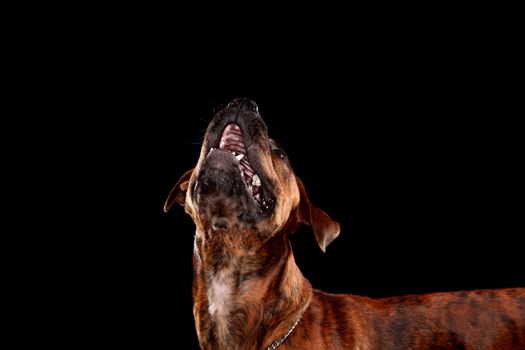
[415,154]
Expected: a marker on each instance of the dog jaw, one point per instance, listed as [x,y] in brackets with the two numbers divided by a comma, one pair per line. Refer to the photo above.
[240,181]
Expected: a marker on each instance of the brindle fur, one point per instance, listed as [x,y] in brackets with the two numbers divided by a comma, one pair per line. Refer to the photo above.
[248,291]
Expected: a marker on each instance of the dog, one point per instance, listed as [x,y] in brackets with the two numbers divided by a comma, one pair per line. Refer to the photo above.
[248,292]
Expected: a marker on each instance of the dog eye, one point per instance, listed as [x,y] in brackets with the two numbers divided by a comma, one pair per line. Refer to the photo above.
[277,149]
[279,153]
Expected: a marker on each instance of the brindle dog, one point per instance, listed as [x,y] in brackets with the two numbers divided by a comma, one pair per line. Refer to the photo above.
[248,292]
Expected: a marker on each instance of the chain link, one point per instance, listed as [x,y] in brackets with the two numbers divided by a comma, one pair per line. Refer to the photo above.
[276,343]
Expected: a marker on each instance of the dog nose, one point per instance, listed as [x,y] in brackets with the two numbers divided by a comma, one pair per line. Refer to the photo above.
[244,104]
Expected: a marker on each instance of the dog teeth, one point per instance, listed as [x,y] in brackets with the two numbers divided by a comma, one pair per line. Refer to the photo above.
[239,156]
[256,181]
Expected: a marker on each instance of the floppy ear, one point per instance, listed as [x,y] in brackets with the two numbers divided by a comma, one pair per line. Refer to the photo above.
[325,229]
[178,192]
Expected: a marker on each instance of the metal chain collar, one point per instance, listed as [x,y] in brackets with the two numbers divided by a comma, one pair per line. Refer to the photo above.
[278,342]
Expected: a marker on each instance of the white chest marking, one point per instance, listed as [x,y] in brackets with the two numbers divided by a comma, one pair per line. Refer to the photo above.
[219,295]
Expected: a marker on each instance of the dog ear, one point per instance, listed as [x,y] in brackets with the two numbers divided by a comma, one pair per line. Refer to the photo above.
[178,192]
[325,229]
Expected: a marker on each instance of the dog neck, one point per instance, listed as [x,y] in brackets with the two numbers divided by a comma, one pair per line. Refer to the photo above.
[246,301]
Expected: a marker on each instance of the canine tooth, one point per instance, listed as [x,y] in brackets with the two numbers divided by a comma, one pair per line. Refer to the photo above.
[239,157]
[256,181]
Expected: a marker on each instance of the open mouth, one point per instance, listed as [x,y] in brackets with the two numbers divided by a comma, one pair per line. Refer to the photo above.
[232,141]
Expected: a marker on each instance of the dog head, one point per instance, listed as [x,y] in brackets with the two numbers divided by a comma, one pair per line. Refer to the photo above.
[243,188]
